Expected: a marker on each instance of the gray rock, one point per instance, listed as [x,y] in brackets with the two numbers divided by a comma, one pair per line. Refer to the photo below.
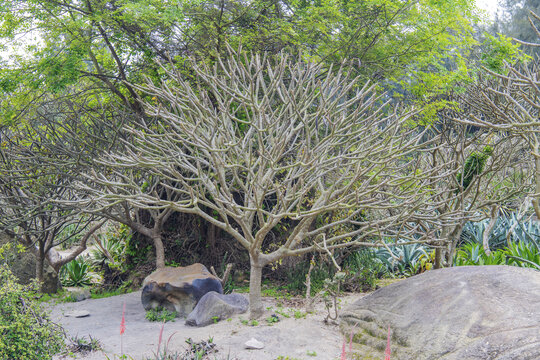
[178,289]
[253,344]
[78,294]
[461,313]
[214,307]
[23,266]
[77,313]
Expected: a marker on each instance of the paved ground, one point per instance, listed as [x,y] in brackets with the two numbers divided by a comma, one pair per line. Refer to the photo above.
[288,337]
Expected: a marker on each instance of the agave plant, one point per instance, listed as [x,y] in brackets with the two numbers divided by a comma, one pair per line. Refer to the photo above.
[77,273]
[506,228]
[402,259]
[110,248]
[523,254]
[473,232]
[473,254]
[526,232]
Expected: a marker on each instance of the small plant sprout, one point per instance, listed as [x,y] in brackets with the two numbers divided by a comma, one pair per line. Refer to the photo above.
[272,319]
[299,314]
[311,353]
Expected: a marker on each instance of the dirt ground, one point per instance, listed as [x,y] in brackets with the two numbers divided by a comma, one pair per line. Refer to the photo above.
[304,338]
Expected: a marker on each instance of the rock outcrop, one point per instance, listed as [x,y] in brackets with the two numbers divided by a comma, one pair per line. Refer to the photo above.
[461,313]
[213,307]
[178,289]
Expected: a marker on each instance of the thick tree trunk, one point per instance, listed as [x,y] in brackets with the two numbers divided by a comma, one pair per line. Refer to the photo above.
[255,301]
[39,267]
[160,251]
[212,234]
[438,258]
[454,239]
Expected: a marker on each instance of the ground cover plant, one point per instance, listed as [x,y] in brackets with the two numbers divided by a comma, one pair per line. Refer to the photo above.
[26,333]
[510,242]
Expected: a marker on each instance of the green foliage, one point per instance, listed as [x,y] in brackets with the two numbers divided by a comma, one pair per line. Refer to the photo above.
[69,235]
[112,248]
[474,165]
[160,314]
[519,254]
[404,259]
[77,273]
[296,277]
[26,333]
[473,254]
[473,232]
[363,270]
[506,228]
[515,22]
[523,254]
[87,43]
[498,50]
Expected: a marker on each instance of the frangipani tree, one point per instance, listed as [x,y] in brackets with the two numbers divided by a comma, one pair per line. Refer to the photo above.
[484,174]
[264,142]
[508,103]
[34,184]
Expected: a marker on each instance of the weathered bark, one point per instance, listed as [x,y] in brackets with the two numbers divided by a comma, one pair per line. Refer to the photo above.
[160,251]
[39,267]
[255,302]
[454,239]
[212,234]
[487,232]
[438,258]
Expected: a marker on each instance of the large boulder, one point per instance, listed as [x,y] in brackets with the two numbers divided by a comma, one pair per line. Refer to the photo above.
[469,312]
[178,289]
[213,307]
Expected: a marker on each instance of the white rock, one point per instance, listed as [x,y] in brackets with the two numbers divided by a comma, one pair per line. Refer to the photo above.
[254,344]
[77,313]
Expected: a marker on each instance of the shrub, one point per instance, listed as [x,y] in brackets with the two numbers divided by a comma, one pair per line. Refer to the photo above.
[26,333]
[111,248]
[295,278]
[363,269]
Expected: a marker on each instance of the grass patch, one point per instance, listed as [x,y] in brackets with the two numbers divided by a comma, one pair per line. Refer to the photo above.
[160,314]
[101,294]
